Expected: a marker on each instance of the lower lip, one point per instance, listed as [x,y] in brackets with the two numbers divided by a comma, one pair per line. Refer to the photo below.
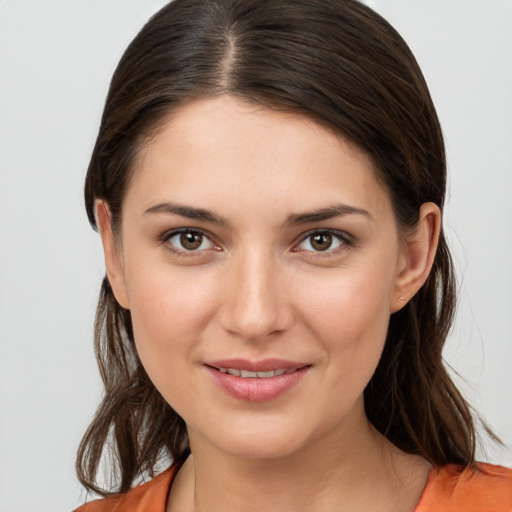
[253,389]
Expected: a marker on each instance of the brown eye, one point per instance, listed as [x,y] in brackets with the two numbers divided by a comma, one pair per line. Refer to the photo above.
[188,241]
[321,241]
[191,241]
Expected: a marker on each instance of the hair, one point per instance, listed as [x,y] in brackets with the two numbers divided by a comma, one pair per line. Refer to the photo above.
[340,64]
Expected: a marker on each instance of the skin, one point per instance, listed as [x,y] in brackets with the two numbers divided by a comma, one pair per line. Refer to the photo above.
[258,288]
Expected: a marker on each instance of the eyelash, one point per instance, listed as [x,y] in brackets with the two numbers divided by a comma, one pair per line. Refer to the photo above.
[345,242]
[168,235]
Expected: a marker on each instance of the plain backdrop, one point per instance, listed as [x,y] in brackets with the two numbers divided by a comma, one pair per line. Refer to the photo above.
[56,59]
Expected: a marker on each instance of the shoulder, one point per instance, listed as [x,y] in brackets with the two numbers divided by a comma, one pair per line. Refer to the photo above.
[452,488]
[149,496]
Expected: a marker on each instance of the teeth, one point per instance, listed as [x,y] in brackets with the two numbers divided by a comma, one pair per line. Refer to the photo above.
[264,375]
[250,374]
[247,373]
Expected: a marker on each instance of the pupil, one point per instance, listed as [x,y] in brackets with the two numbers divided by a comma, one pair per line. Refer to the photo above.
[322,241]
[191,241]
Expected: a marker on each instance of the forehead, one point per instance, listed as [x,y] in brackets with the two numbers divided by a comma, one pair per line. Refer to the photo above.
[225,152]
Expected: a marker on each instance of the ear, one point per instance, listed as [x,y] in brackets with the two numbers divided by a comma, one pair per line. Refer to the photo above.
[417,256]
[112,252]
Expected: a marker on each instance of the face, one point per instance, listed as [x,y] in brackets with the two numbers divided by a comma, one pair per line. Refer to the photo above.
[260,259]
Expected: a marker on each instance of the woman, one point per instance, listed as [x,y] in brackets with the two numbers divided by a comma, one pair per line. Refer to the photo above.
[268,182]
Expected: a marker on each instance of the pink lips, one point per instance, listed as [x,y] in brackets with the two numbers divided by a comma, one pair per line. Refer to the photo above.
[261,387]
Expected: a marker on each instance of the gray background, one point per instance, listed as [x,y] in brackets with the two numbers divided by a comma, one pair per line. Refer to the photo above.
[56,59]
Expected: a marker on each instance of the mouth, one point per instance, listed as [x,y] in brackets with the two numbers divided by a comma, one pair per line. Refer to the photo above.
[257,381]
[249,374]
[263,369]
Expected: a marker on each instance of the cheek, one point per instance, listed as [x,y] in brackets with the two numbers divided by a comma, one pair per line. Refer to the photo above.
[349,305]
[169,313]
[169,310]
[350,316]
[162,296]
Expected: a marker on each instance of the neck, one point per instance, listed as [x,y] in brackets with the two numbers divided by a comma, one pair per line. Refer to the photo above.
[365,472]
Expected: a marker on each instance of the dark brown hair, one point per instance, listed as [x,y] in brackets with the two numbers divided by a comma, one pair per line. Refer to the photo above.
[341,64]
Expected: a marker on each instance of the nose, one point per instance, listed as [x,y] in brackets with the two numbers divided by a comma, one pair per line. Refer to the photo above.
[257,304]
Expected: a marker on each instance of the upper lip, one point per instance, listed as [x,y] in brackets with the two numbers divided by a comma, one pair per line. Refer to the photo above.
[264,365]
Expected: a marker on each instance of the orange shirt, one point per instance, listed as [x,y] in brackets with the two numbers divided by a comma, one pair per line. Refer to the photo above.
[448,489]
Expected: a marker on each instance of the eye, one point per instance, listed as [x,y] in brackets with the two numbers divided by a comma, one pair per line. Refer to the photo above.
[188,240]
[322,241]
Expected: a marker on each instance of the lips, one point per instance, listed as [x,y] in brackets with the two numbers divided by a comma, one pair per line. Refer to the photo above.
[256,381]
[250,374]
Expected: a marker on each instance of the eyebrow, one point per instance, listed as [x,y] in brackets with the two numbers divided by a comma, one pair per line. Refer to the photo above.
[330,212]
[188,212]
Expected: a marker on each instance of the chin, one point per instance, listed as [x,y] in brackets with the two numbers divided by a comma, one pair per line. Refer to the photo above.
[260,449]
[256,439]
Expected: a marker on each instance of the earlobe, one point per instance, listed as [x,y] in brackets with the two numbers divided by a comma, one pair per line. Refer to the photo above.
[417,256]
[113,257]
